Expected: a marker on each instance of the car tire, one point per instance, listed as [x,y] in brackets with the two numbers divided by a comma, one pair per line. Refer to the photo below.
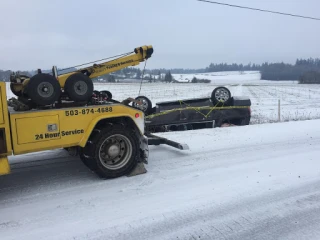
[146,104]
[221,95]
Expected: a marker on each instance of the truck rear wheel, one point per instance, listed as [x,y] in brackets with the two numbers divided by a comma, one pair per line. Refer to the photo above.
[79,87]
[111,152]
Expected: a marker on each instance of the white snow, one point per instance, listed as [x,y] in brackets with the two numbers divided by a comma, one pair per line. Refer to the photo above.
[252,182]
[297,101]
[221,77]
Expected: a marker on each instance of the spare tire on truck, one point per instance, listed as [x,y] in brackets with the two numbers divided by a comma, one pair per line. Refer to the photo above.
[43,89]
[79,87]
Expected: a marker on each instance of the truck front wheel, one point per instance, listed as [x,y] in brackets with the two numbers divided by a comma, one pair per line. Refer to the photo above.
[112,152]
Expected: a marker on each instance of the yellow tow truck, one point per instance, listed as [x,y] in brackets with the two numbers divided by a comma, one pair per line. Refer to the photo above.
[109,136]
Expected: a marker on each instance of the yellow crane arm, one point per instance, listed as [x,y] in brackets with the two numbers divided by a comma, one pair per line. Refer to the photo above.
[140,54]
[45,89]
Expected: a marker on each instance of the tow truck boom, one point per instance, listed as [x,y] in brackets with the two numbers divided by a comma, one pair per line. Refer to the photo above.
[77,86]
[139,54]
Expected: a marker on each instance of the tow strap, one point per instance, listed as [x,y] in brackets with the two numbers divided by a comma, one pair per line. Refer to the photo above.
[197,109]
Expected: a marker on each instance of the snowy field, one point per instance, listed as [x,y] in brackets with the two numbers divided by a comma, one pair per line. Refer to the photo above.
[250,182]
[297,102]
[225,77]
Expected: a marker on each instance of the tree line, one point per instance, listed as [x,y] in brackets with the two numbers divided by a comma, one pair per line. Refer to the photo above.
[304,70]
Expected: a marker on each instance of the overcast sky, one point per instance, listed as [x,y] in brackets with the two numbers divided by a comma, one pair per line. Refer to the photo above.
[184,33]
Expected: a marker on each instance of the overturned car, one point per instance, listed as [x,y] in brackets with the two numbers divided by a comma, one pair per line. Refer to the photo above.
[221,109]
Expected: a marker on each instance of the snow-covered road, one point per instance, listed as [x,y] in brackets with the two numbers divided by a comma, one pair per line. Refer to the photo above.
[251,182]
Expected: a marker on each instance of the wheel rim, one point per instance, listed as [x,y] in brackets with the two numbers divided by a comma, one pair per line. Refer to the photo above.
[115,152]
[222,95]
[45,89]
[80,88]
[144,105]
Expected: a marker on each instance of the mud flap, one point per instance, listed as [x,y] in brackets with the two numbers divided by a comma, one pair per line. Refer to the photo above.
[4,166]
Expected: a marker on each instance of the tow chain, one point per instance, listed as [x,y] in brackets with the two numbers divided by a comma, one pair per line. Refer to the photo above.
[17,105]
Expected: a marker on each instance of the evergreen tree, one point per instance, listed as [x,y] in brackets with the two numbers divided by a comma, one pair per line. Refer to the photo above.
[168,77]
[111,78]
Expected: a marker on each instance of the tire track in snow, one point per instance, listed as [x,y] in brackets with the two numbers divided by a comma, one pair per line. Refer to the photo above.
[252,218]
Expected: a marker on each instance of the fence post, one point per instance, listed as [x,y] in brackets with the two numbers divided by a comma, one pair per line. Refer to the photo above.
[279,110]
[309,93]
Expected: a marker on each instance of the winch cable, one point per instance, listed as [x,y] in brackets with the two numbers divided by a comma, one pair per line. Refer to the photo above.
[116,57]
[144,68]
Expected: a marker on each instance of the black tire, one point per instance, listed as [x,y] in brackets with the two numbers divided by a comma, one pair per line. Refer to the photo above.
[18,93]
[97,93]
[107,93]
[79,87]
[221,95]
[93,156]
[146,106]
[43,89]
[87,160]
[86,152]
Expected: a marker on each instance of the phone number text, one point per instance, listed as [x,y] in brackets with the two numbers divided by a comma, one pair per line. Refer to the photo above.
[88,111]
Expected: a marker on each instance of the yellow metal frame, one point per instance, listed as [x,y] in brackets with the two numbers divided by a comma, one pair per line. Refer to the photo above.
[59,128]
[4,166]
[39,130]
[33,131]
[4,123]
[140,54]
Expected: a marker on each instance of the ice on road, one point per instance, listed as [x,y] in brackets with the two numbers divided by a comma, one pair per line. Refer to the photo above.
[250,182]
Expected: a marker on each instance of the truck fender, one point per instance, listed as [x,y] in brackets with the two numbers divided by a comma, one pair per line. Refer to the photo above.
[139,123]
